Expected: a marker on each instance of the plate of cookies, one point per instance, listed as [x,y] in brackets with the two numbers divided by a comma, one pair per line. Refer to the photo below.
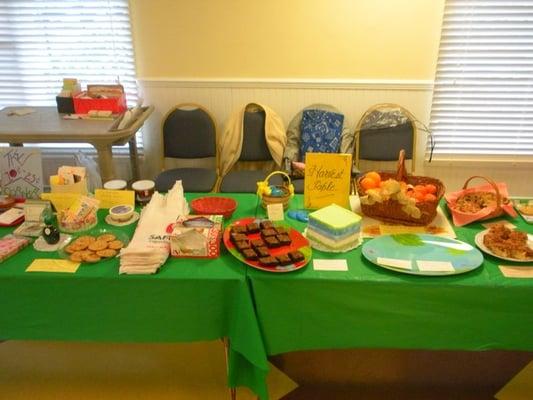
[267,245]
[94,246]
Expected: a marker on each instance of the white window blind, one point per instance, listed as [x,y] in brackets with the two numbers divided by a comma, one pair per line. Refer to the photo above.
[42,42]
[483,94]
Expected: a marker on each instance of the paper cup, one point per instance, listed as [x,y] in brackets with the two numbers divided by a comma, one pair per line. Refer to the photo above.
[116,184]
[143,191]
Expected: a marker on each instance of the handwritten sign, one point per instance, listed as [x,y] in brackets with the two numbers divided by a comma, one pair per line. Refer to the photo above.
[22,172]
[111,198]
[327,179]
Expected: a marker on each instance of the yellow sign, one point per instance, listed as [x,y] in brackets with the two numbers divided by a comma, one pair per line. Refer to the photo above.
[327,179]
[52,265]
[111,198]
[61,201]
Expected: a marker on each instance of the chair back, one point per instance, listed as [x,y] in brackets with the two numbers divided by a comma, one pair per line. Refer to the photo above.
[382,131]
[189,131]
[254,145]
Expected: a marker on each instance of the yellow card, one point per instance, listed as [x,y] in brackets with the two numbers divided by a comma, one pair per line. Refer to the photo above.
[61,201]
[327,179]
[112,198]
[52,265]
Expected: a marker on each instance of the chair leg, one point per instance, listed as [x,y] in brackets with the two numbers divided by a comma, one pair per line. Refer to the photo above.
[232,391]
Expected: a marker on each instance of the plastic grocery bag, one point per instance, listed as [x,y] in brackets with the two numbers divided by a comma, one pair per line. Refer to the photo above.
[94,180]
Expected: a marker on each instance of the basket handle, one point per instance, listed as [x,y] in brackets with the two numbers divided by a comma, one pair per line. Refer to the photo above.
[401,172]
[281,173]
[499,200]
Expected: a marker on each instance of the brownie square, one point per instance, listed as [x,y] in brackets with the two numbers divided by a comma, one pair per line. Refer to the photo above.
[284,259]
[237,237]
[262,252]
[281,230]
[268,232]
[271,242]
[255,243]
[268,261]
[252,227]
[267,224]
[284,240]
[242,245]
[249,254]
[238,229]
[296,256]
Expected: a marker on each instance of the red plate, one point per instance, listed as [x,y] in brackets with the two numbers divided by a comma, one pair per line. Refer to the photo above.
[298,242]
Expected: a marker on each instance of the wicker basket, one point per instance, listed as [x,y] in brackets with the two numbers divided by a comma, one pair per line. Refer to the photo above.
[263,191]
[496,195]
[390,211]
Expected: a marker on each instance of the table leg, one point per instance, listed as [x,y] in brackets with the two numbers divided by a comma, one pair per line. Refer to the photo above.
[105,162]
[232,391]
[134,159]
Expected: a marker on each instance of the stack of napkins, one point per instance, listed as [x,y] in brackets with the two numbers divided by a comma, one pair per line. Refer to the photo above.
[150,246]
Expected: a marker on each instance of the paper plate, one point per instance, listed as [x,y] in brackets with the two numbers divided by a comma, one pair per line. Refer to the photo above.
[479,243]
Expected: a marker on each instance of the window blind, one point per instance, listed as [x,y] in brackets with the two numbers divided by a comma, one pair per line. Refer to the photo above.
[42,42]
[483,94]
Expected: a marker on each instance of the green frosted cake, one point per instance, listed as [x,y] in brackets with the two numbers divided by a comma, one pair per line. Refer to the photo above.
[334,228]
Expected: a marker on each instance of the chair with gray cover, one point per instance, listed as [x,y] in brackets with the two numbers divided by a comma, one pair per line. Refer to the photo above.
[189,140]
[255,161]
[384,130]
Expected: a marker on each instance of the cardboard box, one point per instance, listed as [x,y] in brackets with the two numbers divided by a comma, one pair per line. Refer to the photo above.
[78,187]
[196,236]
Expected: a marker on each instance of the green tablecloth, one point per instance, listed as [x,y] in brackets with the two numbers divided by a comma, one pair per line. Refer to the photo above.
[187,300]
[372,307]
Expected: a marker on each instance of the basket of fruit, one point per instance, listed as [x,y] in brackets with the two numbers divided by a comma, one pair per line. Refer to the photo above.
[399,198]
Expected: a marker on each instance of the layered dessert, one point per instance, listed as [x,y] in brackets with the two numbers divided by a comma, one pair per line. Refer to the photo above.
[334,228]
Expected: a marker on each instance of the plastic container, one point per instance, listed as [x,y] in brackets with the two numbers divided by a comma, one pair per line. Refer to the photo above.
[143,191]
[116,184]
[121,213]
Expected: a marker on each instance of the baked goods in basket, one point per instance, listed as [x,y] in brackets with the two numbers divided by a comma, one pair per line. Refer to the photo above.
[400,198]
[479,203]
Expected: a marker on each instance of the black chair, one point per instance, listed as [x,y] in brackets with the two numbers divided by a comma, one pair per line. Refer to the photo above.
[384,130]
[189,135]
[255,161]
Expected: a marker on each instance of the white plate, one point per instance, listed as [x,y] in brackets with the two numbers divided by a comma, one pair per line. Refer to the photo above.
[479,243]
[134,217]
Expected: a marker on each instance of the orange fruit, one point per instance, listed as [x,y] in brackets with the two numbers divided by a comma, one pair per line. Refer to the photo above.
[430,197]
[419,196]
[368,183]
[430,188]
[374,176]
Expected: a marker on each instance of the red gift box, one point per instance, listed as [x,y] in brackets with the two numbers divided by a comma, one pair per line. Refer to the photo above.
[84,104]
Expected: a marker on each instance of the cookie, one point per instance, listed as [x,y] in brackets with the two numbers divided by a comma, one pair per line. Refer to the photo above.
[76,257]
[91,258]
[107,253]
[98,245]
[106,237]
[115,244]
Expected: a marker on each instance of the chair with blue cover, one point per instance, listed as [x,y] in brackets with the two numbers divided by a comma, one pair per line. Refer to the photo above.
[317,128]
[189,140]
[250,148]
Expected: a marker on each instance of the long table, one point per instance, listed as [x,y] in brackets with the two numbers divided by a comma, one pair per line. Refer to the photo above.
[264,313]
[187,300]
[371,307]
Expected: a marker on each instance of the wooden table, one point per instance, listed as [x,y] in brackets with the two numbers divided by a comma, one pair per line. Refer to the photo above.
[46,125]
